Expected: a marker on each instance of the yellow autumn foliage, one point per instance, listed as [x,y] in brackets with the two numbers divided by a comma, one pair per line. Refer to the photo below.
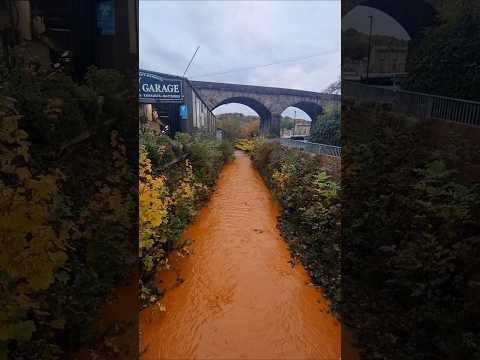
[154,203]
[32,237]
[280,179]
[282,176]
[184,194]
[249,145]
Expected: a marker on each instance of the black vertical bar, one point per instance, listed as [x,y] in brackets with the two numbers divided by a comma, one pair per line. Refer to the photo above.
[83,26]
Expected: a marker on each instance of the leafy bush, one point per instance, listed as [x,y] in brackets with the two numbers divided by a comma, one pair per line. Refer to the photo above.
[411,225]
[68,255]
[34,240]
[327,129]
[310,217]
[67,214]
[226,148]
[160,149]
[443,62]
[57,109]
[104,247]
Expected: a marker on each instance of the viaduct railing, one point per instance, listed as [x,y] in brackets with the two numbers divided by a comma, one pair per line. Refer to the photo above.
[314,148]
[423,105]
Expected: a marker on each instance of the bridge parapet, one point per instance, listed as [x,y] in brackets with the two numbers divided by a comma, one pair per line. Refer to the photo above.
[262,90]
[268,102]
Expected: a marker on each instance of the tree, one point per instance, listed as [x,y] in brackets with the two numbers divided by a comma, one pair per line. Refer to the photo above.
[287,123]
[252,128]
[446,61]
[327,128]
[334,88]
[237,126]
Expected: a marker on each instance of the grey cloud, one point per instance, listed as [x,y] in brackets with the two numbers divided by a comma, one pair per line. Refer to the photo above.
[237,34]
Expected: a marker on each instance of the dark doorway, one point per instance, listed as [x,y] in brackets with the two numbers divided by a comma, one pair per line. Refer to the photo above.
[70,24]
[168,118]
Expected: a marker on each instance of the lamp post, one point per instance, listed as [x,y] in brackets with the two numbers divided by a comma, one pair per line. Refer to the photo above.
[369,46]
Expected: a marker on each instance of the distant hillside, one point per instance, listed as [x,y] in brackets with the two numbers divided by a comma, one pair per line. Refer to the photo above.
[237,125]
[238,117]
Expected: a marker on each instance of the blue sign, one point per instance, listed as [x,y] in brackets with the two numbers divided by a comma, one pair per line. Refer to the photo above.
[106,17]
[154,88]
[184,112]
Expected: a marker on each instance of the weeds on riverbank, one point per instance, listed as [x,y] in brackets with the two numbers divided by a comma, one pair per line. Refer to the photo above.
[310,217]
[411,244]
[248,145]
[176,177]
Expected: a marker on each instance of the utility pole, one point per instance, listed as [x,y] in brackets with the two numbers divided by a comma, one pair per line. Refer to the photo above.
[369,46]
[294,121]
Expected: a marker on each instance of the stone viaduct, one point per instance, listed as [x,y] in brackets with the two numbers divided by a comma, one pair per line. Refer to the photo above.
[267,102]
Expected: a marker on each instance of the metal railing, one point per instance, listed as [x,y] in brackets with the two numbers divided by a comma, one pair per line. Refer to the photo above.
[425,106]
[314,148]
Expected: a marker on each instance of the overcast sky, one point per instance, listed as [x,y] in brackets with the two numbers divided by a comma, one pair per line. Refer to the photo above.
[383,24]
[239,34]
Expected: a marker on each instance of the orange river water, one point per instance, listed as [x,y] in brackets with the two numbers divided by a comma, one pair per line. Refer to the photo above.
[240,297]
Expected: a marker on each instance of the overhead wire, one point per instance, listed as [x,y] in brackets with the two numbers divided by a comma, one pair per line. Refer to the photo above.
[265,65]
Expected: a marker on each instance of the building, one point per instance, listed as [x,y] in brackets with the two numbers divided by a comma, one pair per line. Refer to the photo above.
[170,104]
[390,58]
[103,33]
[302,128]
[353,69]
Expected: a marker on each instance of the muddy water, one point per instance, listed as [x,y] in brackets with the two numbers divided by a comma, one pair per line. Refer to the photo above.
[240,297]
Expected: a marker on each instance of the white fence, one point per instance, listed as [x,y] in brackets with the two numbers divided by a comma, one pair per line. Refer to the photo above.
[425,106]
[314,148]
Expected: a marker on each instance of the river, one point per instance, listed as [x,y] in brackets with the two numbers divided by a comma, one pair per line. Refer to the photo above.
[238,296]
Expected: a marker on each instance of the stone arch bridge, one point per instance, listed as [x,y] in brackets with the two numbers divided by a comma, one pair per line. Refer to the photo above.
[268,102]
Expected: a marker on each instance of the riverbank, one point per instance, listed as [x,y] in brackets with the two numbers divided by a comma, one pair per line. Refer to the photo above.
[238,295]
[176,177]
[310,218]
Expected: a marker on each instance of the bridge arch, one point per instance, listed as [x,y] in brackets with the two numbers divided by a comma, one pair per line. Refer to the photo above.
[413,15]
[255,105]
[310,108]
[262,111]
